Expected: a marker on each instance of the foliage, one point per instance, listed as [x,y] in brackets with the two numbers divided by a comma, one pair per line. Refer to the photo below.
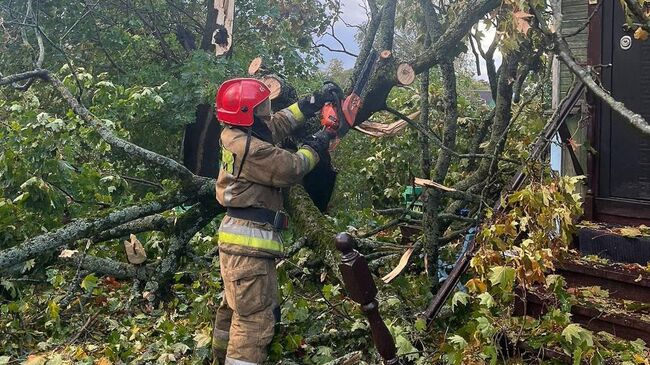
[517,253]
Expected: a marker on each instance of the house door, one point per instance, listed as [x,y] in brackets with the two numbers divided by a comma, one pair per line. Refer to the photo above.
[623,191]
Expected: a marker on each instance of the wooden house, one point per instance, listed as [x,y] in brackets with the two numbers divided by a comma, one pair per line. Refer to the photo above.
[615,155]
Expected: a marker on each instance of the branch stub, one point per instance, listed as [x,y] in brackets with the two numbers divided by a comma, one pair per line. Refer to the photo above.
[405,74]
[255,65]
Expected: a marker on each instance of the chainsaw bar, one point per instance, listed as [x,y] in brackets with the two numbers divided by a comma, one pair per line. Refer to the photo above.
[353,102]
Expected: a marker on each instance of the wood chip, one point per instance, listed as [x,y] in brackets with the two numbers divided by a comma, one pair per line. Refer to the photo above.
[255,65]
[68,253]
[403,261]
[135,252]
[377,129]
[432,184]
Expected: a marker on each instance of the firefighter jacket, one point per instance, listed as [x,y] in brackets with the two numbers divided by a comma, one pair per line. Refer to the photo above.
[258,182]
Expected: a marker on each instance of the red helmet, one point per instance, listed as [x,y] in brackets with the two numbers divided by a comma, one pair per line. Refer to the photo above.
[237,98]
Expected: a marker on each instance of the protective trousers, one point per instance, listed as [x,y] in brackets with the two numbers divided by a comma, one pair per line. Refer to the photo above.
[245,320]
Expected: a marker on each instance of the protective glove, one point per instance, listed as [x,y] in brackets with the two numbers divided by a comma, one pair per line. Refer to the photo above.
[329,92]
[332,91]
[320,142]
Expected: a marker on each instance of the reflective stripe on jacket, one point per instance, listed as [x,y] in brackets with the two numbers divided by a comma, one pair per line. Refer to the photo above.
[249,234]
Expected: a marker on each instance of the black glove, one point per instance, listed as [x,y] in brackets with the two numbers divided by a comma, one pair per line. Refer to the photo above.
[320,142]
[310,105]
[331,91]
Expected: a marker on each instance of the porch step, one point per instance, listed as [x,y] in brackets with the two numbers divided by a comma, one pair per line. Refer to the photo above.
[614,298]
[604,241]
[622,318]
[606,315]
[623,281]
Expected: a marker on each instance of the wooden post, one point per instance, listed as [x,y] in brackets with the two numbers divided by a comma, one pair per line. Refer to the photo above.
[361,288]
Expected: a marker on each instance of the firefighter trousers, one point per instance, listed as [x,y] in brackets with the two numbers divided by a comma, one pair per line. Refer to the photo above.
[245,320]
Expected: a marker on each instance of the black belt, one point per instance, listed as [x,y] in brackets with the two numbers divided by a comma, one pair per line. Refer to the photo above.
[279,220]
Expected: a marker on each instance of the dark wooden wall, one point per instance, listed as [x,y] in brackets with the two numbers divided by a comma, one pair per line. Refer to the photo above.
[575,14]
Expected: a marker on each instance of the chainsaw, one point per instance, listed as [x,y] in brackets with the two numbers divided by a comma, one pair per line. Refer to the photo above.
[338,117]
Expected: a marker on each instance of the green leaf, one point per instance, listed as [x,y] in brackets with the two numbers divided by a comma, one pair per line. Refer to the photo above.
[392,302]
[576,335]
[420,325]
[203,338]
[458,342]
[487,300]
[459,297]
[503,276]
[577,356]
[180,348]
[53,310]
[21,198]
[485,327]
[404,346]
[293,342]
[89,283]
[554,281]
[639,345]
[4,360]
[330,291]
[28,265]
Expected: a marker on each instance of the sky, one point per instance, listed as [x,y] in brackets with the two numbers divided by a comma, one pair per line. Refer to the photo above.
[353,13]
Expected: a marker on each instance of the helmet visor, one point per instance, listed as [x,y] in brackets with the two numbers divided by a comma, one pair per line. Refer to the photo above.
[263,110]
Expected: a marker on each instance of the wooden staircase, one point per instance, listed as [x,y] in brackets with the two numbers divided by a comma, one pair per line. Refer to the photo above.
[611,284]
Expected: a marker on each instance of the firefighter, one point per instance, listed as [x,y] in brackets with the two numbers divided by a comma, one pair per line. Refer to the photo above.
[252,173]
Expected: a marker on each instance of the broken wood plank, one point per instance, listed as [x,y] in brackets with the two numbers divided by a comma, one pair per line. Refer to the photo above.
[432,184]
[222,36]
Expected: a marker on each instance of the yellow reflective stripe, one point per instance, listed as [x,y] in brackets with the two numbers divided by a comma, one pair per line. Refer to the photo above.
[248,241]
[310,157]
[227,161]
[297,113]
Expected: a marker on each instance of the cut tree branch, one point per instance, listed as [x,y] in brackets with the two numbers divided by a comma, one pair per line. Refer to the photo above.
[38,73]
[79,229]
[154,222]
[104,266]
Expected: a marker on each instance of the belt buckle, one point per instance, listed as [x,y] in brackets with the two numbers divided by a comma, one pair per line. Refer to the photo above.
[281,221]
